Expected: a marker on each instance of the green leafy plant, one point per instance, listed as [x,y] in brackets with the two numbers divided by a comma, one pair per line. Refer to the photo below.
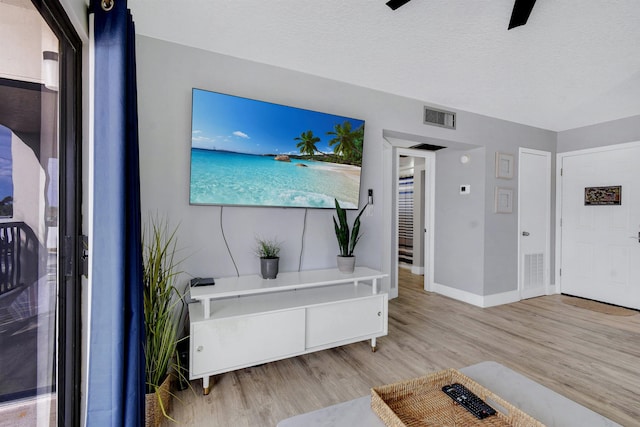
[163,303]
[346,240]
[267,248]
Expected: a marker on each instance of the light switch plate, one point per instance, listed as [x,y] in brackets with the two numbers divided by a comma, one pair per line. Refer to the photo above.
[465,189]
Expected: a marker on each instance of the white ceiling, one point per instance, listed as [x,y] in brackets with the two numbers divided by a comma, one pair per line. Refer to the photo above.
[575,63]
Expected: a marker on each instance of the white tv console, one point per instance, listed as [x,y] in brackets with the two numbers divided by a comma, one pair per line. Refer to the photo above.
[245,321]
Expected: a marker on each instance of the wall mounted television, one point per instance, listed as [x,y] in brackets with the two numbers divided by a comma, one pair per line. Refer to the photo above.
[246,152]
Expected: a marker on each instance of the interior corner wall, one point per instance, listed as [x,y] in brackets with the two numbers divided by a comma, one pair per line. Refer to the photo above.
[501,229]
[167,72]
[501,244]
[459,221]
[601,134]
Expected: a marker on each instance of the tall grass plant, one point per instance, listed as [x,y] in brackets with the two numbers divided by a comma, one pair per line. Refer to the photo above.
[163,302]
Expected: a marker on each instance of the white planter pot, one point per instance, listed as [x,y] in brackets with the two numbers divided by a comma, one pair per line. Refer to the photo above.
[346,264]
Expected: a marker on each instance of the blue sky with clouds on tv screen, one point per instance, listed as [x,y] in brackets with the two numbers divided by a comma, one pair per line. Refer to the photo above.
[225,122]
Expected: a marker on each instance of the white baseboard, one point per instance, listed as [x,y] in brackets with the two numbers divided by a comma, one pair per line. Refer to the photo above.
[458,294]
[417,270]
[501,298]
[477,300]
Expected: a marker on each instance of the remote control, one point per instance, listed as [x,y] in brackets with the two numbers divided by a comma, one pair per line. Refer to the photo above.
[468,400]
[202,281]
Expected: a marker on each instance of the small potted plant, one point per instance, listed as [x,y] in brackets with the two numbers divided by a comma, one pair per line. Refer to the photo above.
[268,250]
[347,240]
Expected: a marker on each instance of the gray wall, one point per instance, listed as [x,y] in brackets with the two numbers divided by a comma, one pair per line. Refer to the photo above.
[607,133]
[501,230]
[166,74]
[459,220]
[467,226]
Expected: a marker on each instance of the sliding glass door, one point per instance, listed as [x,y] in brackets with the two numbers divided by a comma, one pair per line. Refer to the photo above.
[39,295]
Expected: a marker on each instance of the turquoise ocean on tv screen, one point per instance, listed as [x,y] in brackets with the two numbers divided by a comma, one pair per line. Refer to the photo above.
[227,178]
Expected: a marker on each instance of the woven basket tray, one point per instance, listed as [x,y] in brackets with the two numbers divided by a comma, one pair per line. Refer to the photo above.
[421,402]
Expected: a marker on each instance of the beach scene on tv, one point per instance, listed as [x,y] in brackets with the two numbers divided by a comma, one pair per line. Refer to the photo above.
[252,153]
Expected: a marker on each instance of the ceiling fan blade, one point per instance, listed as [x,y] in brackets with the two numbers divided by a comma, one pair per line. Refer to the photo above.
[521,11]
[394,4]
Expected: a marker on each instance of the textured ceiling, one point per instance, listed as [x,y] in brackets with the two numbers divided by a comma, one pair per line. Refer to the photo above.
[575,63]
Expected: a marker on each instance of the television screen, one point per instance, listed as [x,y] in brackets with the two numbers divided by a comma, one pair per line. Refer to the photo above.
[246,152]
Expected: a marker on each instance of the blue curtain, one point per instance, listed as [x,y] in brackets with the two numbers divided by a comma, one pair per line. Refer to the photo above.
[116,380]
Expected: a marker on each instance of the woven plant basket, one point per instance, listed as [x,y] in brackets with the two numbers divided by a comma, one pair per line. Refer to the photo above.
[421,402]
[153,410]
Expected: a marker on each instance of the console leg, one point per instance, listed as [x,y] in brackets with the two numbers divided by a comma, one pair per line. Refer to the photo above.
[206,385]
[374,347]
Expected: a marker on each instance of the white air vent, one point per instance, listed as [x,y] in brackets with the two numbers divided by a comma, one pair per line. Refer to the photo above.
[442,118]
[533,271]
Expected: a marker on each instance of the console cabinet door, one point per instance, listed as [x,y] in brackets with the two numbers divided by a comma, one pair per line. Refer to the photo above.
[224,344]
[346,320]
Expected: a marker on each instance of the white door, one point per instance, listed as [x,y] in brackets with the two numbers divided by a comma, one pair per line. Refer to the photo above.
[600,249]
[534,183]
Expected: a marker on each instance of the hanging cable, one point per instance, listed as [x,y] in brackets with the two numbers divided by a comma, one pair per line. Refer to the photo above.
[304,230]
[227,244]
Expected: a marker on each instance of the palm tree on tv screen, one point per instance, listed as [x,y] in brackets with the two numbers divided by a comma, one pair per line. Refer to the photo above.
[358,141]
[347,142]
[307,144]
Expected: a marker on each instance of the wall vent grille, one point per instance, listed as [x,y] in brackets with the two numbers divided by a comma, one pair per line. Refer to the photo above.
[441,118]
[533,271]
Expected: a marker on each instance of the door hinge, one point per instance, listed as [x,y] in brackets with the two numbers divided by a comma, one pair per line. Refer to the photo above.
[560,222]
[561,272]
[561,171]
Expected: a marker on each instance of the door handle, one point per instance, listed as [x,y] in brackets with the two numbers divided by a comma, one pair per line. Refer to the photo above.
[526,233]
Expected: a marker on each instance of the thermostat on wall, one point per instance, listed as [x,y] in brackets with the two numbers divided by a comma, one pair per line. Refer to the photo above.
[465,189]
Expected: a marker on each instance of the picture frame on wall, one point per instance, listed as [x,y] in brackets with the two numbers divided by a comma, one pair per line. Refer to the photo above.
[504,165]
[603,196]
[503,200]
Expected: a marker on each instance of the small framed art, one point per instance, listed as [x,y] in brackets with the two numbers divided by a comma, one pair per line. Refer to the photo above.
[503,200]
[504,165]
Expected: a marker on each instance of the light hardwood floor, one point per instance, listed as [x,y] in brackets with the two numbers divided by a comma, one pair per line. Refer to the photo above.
[589,357]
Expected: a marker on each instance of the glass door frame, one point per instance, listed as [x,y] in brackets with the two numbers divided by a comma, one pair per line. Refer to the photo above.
[69,346]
